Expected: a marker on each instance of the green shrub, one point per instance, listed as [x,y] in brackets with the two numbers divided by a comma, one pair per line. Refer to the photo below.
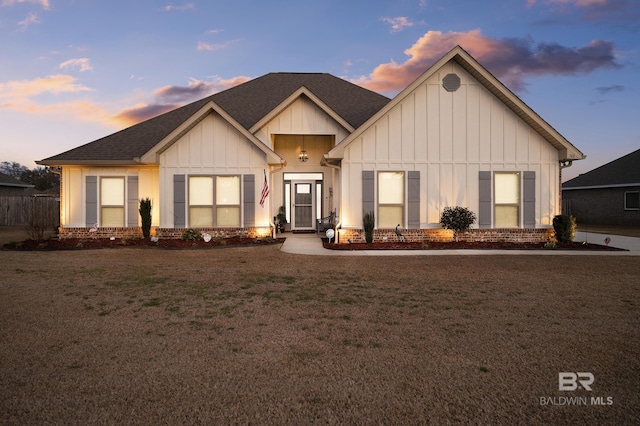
[369,222]
[192,235]
[145,215]
[564,227]
[457,219]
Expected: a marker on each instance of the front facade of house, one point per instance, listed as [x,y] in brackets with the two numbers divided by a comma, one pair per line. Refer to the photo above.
[454,137]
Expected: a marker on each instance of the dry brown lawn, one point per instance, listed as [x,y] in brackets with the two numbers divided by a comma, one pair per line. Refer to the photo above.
[254,335]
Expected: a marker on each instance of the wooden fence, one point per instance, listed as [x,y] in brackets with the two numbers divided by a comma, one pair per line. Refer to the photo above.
[16,211]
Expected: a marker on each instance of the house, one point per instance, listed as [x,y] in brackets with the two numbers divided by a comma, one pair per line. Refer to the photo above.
[607,195]
[455,136]
[10,186]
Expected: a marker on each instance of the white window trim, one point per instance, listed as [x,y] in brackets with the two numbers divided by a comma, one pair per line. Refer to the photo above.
[214,206]
[122,206]
[630,209]
[403,204]
[518,204]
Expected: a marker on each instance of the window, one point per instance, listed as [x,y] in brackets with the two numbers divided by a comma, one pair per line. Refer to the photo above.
[200,201]
[228,201]
[203,191]
[390,199]
[112,202]
[507,200]
[632,200]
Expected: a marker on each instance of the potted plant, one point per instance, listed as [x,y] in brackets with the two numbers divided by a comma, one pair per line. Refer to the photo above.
[281,219]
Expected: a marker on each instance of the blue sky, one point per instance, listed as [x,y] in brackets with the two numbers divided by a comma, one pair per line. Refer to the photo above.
[73,71]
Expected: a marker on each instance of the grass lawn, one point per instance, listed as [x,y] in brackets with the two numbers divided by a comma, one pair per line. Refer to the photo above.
[254,335]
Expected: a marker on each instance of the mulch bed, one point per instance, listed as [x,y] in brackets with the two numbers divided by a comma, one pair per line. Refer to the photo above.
[99,243]
[465,245]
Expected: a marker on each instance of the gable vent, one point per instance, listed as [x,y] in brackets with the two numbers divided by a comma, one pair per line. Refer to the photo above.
[451,82]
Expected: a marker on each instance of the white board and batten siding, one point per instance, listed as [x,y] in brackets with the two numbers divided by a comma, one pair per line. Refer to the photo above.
[73,210]
[212,147]
[301,117]
[449,137]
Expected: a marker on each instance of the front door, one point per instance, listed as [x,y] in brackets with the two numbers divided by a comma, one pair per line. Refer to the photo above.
[303,205]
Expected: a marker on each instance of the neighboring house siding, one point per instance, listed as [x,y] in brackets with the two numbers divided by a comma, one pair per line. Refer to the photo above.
[301,117]
[600,206]
[449,138]
[212,147]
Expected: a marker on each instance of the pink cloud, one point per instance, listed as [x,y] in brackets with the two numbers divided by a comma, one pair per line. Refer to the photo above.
[44,3]
[582,3]
[32,18]
[511,60]
[82,64]
[398,24]
[55,84]
[170,97]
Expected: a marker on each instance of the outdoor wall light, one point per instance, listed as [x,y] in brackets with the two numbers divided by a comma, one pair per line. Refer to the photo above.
[303,154]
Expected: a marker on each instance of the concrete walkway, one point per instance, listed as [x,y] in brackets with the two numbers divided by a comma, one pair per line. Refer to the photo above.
[310,244]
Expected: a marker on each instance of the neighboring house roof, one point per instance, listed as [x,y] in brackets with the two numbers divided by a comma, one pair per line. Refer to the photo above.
[246,104]
[566,150]
[625,171]
[8,181]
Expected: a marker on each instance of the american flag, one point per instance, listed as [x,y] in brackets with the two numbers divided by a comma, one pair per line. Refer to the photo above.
[265,190]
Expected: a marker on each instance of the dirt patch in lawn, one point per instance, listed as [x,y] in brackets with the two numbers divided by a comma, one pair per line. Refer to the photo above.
[253,335]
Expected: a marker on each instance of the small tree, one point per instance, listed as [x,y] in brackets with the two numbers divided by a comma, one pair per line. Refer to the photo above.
[564,227]
[37,218]
[457,219]
[369,222]
[145,215]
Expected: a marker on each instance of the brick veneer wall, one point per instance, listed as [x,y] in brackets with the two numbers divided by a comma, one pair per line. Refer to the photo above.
[176,233]
[105,232]
[167,233]
[444,235]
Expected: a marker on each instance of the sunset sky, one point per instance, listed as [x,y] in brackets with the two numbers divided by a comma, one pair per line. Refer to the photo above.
[74,71]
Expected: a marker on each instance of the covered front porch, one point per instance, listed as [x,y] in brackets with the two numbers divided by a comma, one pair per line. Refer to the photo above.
[305,190]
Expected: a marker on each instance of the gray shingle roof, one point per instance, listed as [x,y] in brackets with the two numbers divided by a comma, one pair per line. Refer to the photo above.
[6,180]
[624,170]
[246,103]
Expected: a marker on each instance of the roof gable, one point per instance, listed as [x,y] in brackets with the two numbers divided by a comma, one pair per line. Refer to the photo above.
[566,150]
[151,156]
[623,171]
[303,91]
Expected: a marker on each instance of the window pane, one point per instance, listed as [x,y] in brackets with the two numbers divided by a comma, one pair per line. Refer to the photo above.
[228,216]
[391,188]
[632,200]
[112,191]
[302,176]
[201,191]
[318,200]
[390,216]
[112,216]
[287,201]
[228,190]
[507,188]
[507,216]
[200,217]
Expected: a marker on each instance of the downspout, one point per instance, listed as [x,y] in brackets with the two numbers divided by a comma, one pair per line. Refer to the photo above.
[279,167]
[324,162]
[563,165]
